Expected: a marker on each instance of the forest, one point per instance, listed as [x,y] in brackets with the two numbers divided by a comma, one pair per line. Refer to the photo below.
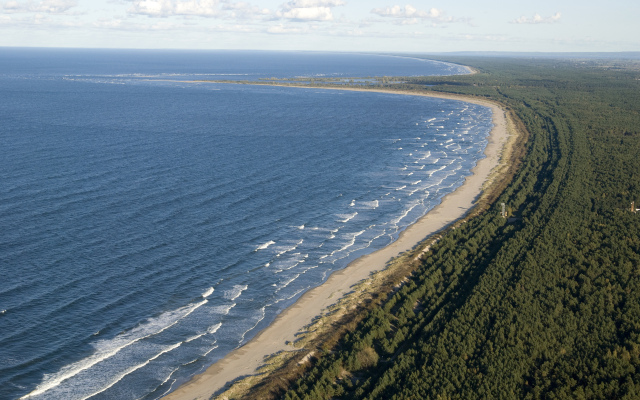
[544,304]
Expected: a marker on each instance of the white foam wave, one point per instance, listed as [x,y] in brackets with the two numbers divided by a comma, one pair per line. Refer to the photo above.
[192,338]
[210,350]
[224,310]
[347,217]
[134,368]
[263,313]
[167,380]
[288,249]
[310,268]
[353,203]
[370,204]
[401,187]
[293,261]
[234,293]
[351,242]
[301,227]
[110,347]
[265,245]
[436,170]
[416,182]
[295,294]
[405,213]
[207,293]
[287,282]
[214,328]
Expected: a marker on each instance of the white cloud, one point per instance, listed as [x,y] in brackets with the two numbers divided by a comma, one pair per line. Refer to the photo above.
[281,29]
[309,14]
[409,15]
[166,8]
[309,10]
[537,19]
[313,3]
[45,6]
[245,10]
[197,8]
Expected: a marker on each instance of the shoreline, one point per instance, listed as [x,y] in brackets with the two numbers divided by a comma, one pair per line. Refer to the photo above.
[278,336]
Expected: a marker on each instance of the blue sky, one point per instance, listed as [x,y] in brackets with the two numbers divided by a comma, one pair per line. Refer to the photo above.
[340,25]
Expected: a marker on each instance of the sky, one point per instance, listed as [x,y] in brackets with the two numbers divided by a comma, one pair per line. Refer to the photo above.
[325,25]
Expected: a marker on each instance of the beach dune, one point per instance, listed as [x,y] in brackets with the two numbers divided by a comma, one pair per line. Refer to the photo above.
[247,359]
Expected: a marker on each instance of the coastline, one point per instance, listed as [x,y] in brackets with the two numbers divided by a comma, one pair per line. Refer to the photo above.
[246,360]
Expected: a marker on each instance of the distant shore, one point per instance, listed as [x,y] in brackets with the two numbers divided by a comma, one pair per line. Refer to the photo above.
[245,360]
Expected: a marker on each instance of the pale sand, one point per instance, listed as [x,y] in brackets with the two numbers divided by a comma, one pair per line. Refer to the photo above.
[246,359]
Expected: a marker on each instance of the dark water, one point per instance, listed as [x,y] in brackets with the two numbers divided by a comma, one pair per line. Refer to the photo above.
[149,226]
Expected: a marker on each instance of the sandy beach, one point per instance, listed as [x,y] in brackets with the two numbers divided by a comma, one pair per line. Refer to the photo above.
[247,359]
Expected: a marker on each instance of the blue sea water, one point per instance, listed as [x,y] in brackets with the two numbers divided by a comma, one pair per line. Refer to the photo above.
[150,225]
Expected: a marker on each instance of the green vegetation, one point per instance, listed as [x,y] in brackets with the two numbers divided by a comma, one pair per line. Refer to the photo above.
[544,305]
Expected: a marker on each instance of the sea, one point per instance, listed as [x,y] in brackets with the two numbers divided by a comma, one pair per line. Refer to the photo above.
[150,222]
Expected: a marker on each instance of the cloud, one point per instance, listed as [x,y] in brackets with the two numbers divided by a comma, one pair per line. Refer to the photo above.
[309,14]
[245,10]
[45,6]
[281,29]
[409,15]
[309,10]
[166,8]
[537,19]
[314,3]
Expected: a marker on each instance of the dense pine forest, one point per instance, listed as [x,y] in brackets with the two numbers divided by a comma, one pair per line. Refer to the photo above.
[544,304]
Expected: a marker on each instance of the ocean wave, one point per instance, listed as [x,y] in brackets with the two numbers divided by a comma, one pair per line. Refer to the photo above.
[346,217]
[234,293]
[405,213]
[265,245]
[210,350]
[263,314]
[207,292]
[134,368]
[287,282]
[214,328]
[436,170]
[194,337]
[351,242]
[371,205]
[223,310]
[107,348]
